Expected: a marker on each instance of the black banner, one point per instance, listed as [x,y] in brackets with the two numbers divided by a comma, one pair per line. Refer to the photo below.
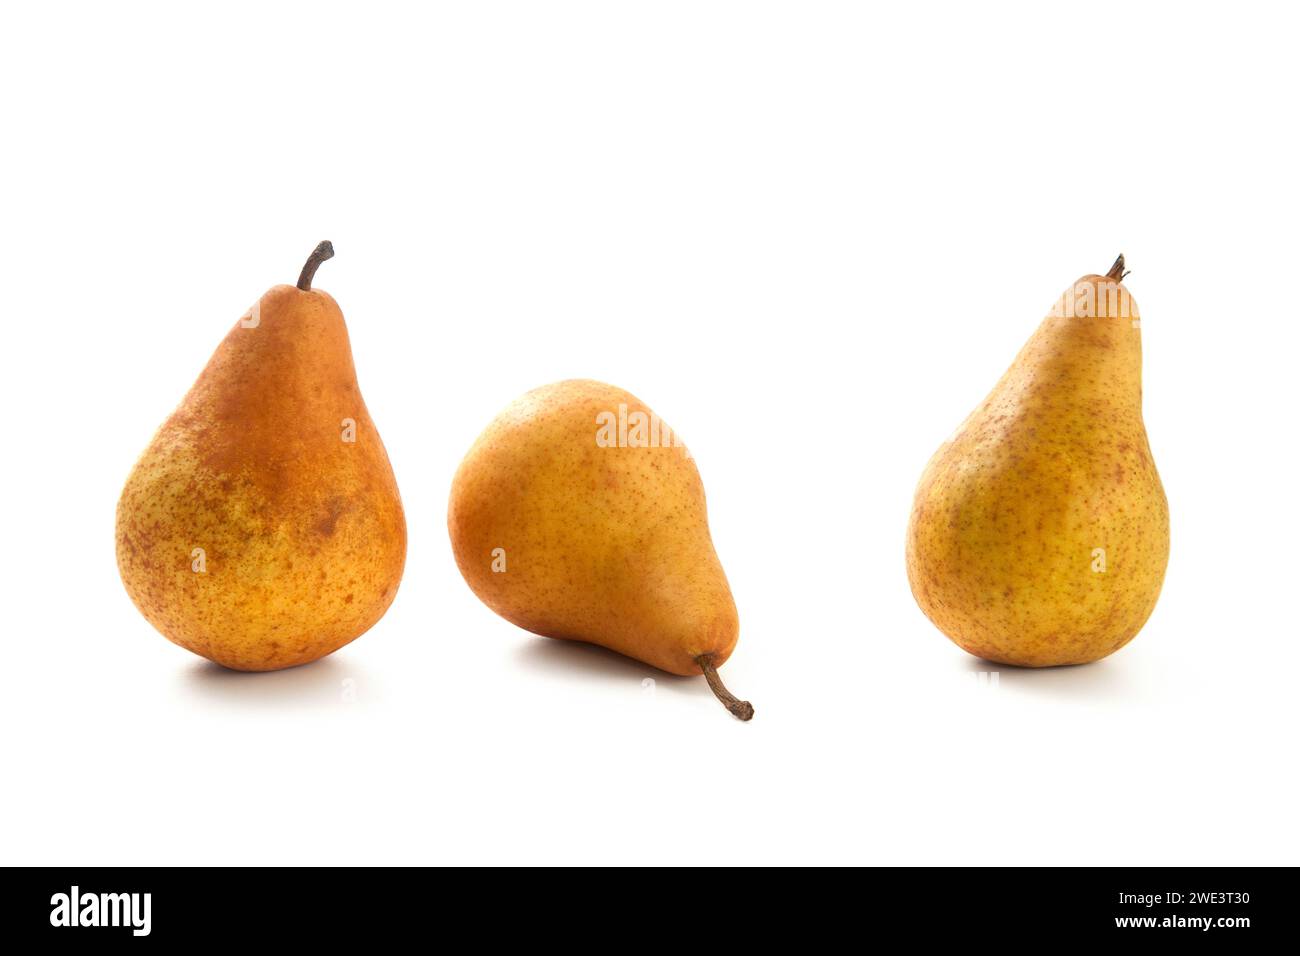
[1226,907]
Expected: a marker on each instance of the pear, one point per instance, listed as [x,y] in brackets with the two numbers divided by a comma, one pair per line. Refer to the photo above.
[262,527]
[579,515]
[1039,533]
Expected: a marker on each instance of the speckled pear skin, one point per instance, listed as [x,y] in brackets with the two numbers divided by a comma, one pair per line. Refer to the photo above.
[1002,547]
[303,533]
[608,545]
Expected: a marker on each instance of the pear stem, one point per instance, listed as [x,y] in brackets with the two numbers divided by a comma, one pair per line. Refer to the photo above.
[1117,270]
[323,251]
[740,709]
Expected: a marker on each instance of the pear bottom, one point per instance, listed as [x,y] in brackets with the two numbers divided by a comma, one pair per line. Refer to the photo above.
[1031,614]
[248,582]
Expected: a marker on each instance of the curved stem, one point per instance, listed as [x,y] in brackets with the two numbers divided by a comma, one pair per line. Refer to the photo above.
[740,709]
[318,255]
[1117,270]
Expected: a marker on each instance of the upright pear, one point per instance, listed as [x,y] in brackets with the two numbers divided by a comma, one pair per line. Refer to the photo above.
[1040,532]
[262,527]
[579,515]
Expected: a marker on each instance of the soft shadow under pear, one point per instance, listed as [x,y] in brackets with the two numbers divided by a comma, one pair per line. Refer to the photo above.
[321,684]
[574,661]
[1100,680]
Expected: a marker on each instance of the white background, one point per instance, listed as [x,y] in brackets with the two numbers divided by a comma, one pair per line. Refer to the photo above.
[811,237]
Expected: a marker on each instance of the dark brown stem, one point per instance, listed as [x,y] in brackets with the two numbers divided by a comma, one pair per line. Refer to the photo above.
[740,709]
[1117,270]
[318,255]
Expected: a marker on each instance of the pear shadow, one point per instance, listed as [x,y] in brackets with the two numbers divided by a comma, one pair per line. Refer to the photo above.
[1100,680]
[572,661]
[326,683]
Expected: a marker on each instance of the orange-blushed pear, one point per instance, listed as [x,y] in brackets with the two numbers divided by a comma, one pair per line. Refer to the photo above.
[579,515]
[262,527]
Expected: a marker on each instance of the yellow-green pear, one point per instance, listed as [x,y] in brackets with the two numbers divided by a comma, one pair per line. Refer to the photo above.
[262,527]
[1039,533]
[578,514]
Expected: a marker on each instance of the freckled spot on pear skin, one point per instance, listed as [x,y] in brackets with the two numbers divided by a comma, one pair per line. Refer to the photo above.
[329,520]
